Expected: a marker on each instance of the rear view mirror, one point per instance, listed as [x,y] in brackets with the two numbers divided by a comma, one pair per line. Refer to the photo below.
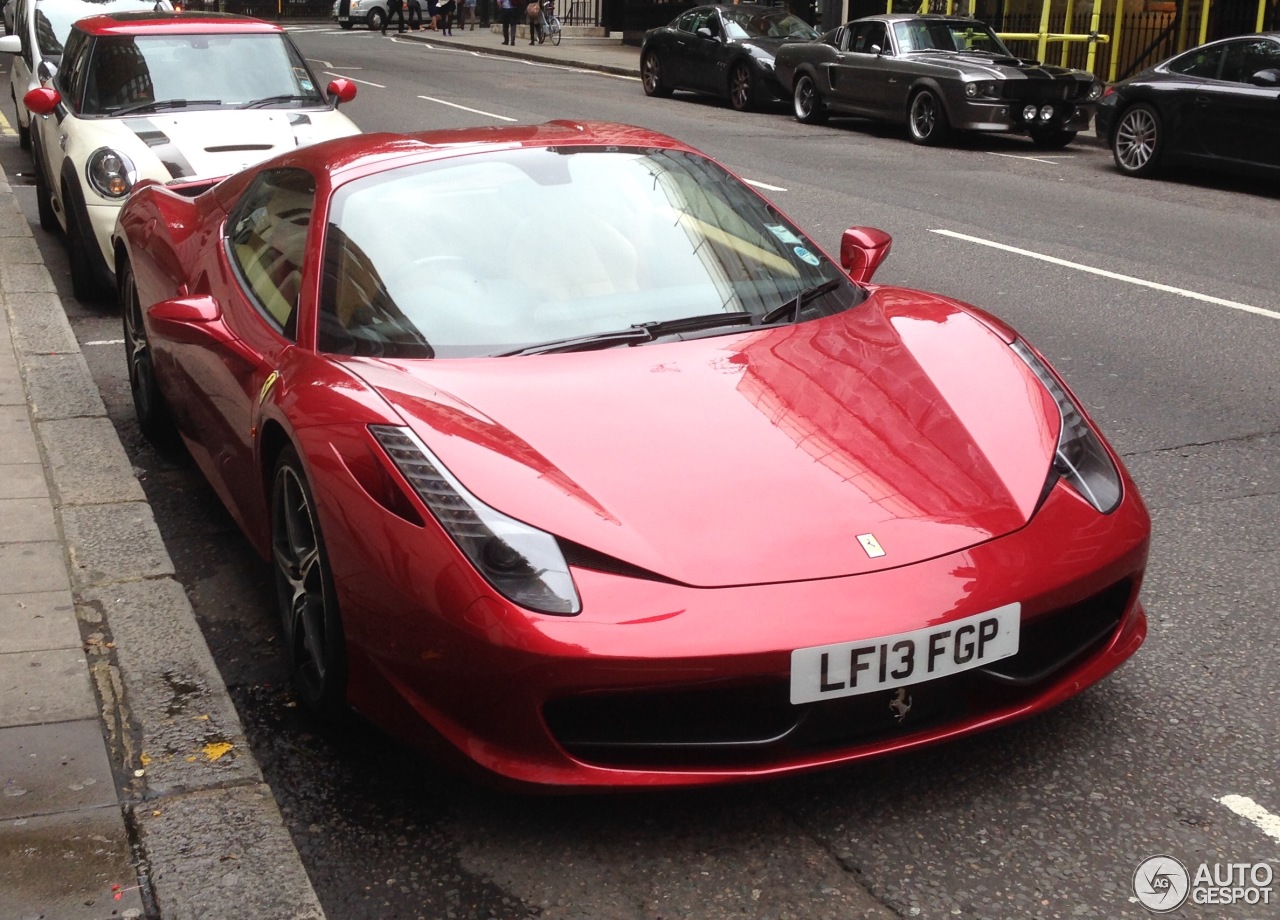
[341,90]
[863,250]
[42,100]
[10,44]
[1269,78]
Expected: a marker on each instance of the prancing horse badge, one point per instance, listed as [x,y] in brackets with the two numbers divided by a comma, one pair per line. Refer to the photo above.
[871,545]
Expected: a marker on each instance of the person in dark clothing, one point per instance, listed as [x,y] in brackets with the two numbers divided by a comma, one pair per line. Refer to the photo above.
[394,8]
[415,14]
[507,13]
[446,10]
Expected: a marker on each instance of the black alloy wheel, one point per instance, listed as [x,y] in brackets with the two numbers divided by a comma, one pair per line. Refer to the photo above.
[651,75]
[742,91]
[926,119]
[1051,138]
[148,403]
[1138,140]
[314,647]
[807,101]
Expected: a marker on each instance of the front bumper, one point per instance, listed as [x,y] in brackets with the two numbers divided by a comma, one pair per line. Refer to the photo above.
[1005,115]
[661,684]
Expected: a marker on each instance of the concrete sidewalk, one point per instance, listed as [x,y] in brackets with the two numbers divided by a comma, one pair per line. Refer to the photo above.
[127,788]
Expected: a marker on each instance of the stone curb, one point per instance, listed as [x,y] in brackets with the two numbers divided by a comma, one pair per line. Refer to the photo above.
[205,831]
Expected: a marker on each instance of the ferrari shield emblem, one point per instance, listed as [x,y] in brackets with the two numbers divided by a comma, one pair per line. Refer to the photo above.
[871,545]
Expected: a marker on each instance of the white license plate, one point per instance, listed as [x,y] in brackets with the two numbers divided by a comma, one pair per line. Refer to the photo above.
[825,672]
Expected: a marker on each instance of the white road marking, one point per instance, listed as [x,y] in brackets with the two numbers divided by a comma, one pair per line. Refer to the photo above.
[1247,808]
[764,185]
[103,342]
[354,80]
[1027,156]
[465,109]
[1114,276]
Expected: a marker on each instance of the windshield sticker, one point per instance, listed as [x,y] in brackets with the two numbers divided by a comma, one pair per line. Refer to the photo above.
[783,234]
[806,255]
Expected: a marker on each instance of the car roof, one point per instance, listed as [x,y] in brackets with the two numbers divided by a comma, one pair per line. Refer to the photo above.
[913,17]
[148,22]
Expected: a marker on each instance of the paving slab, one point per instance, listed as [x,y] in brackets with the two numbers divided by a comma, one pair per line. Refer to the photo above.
[38,622]
[24,277]
[87,464]
[60,386]
[45,686]
[114,543]
[27,520]
[43,329]
[48,769]
[23,480]
[26,568]
[17,441]
[14,249]
[67,864]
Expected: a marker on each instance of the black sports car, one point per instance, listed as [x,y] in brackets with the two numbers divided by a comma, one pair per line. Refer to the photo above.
[724,50]
[1216,105]
[935,73]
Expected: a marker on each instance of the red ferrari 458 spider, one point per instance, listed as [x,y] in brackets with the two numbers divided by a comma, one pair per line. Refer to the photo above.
[578,460]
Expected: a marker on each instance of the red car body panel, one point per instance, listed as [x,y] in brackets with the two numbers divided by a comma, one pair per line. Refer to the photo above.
[728,476]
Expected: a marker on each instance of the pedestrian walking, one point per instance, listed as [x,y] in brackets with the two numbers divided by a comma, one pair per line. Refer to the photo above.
[534,14]
[394,8]
[467,14]
[415,14]
[507,14]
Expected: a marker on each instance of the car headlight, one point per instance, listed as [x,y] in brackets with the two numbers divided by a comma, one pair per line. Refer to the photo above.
[1094,91]
[110,173]
[523,563]
[986,88]
[1080,459]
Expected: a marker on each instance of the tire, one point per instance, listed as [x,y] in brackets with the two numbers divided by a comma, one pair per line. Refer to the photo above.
[651,75]
[927,120]
[346,25]
[1137,142]
[44,200]
[807,101]
[24,134]
[314,647]
[81,253]
[742,89]
[149,404]
[1051,138]
[375,19]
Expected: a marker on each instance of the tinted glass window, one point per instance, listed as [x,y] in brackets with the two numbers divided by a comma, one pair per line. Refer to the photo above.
[1245,58]
[268,241]
[869,36]
[1202,62]
[534,246]
[776,23]
[948,35]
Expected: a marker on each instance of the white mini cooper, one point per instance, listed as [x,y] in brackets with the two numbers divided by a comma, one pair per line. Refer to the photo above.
[167,96]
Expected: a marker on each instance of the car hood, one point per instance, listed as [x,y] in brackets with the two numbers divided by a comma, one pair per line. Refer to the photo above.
[210,143]
[1000,66]
[756,457]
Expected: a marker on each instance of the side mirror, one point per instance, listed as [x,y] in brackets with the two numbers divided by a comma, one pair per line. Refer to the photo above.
[196,320]
[46,71]
[1269,78]
[876,49]
[42,100]
[863,250]
[341,90]
[10,44]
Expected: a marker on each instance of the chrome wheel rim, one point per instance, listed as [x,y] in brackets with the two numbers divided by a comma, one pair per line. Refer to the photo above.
[740,88]
[649,72]
[924,115]
[300,579]
[139,349]
[1136,139]
[804,99]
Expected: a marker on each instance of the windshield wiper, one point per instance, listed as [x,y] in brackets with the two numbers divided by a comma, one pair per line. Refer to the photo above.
[274,100]
[158,104]
[790,311]
[638,333]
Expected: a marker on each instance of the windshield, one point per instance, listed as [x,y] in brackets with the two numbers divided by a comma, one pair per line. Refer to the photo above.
[922,35]
[228,70]
[492,253]
[740,23]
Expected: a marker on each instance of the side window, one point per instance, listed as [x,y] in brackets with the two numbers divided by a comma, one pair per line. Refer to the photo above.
[690,21]
[868,35]
[1245,58]
[70,78]
[267,241]
[1205,63]
[22,25]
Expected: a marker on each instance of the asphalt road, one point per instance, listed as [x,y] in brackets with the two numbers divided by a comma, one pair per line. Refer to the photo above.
[1140,292]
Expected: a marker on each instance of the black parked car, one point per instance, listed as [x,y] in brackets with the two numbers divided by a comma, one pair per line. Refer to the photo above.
[724,50]
[935,73]
[1216,105]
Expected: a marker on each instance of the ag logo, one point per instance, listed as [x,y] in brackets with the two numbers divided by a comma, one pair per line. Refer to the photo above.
[1161,884]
